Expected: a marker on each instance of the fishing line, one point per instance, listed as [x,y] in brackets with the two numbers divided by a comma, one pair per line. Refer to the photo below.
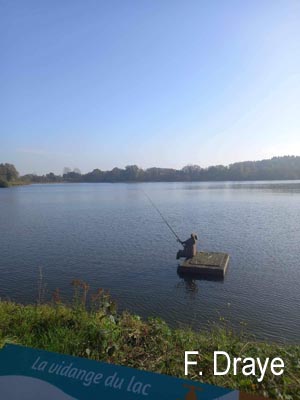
[161,215]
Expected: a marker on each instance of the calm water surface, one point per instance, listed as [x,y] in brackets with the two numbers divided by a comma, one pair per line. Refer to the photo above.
[110,236]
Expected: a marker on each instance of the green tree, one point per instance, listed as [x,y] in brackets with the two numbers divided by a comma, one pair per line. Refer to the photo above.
[8,173]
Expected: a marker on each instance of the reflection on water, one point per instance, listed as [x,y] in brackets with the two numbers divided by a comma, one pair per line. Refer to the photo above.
[190,285]
[110,236]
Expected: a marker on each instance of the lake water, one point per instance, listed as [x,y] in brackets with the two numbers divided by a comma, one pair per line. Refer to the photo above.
[110,236]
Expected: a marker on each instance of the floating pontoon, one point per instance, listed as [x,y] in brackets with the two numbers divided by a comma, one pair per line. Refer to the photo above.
[205,264]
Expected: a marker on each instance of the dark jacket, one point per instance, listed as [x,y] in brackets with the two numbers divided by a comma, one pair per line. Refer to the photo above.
[190,247]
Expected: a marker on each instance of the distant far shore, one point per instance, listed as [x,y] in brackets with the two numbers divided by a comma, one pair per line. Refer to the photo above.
[62,182]
[274,169]
[165,181]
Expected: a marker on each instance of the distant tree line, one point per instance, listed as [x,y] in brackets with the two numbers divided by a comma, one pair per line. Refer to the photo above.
[277,168]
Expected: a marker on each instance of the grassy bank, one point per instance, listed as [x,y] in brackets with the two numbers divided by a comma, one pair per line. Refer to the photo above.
[100,333]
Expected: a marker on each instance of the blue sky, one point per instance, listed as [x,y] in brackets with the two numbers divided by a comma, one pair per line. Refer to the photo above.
[97,84]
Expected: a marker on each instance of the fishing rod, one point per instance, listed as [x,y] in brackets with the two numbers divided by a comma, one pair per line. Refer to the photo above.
[161,215]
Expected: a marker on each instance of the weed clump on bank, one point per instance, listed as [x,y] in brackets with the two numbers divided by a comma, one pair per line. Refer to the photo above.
[91,327]
[3,183]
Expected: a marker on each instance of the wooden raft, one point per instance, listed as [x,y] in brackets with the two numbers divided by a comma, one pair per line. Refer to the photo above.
[205,263]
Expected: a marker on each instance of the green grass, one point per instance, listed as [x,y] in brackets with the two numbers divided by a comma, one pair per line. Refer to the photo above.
[98,332]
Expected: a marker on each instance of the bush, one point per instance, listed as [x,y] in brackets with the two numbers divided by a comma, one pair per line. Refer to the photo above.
[3,184]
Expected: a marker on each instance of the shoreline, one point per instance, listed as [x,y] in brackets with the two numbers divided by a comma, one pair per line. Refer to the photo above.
[24,183]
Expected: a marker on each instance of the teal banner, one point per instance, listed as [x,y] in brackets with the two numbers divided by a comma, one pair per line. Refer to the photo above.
[28,374]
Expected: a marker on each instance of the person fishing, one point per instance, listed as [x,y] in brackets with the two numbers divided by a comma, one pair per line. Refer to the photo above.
[189,247]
